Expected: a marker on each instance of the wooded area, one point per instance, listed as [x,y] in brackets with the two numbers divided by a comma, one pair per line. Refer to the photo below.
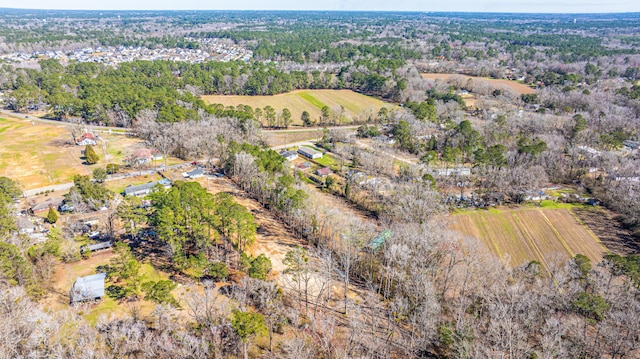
[367,263]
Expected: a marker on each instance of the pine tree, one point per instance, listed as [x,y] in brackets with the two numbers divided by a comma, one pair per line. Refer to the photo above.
[91,155]
[52,216]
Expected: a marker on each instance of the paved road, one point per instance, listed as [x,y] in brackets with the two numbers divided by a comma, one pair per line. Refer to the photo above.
[66,186]
[309,129]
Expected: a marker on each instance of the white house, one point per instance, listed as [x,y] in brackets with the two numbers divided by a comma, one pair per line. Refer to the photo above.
[309,152]
[87,138]
[289,155]
[196,173]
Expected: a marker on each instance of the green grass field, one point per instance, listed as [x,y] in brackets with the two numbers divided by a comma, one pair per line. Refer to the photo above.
[312,101]
[42,155]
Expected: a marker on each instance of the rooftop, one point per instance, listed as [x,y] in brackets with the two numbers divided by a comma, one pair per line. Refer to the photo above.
[132,190]
[42,206]
[325,171]
[196,172]
[287,154]
[308,150]
[88,288]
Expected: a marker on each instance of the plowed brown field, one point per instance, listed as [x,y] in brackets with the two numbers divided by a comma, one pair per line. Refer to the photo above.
[523,235]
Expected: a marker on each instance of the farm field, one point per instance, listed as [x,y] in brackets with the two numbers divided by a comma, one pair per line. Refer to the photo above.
[306,100]
[280,138]
[515,85]
[526,234]
[41,155]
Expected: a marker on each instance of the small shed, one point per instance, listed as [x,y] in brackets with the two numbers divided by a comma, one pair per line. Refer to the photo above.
[304,165]
[165,182]
[309,152]
[379,240]
[324,171]
[88,288]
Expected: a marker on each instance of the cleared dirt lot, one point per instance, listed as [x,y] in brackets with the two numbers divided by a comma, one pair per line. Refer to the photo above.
[522,235]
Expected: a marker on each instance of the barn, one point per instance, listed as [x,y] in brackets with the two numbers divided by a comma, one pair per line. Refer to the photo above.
[88,288]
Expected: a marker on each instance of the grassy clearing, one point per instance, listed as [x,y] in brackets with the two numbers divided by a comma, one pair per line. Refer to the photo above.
[515,85]
[109,306]
[42,155]
[327,161]
[118,186]
[521,235]
[282,138]
[307,100]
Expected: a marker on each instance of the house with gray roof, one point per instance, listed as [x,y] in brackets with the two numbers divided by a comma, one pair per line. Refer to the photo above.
[289,155]
[195,173]
[25,226]
[140,190]
[96,247]
[309,152]
[44,206]
[88,288]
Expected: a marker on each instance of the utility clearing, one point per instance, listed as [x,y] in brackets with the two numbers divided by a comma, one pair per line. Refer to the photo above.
[532,234]
[515,85]
[312,101]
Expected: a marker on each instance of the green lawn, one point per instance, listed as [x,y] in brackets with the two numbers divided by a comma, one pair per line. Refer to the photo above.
[312,100]
[118,186]
[109,305]
[327,161]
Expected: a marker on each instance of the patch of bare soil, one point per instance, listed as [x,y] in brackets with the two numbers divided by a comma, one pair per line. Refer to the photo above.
[603,223]
[273,239]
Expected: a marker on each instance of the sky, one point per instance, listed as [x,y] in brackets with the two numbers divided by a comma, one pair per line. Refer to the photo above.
[542,6]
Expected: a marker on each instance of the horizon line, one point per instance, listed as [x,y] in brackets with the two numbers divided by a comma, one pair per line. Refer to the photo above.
[335,10]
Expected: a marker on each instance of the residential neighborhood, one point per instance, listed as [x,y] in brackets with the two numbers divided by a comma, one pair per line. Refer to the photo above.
[211,50]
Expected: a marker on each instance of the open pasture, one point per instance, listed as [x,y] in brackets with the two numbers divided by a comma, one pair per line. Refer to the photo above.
[312,101]
[38,155]
[515,85]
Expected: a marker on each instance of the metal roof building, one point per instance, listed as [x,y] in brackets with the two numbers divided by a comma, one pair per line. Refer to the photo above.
[139,190]
[96,247]
[196,173]
[309,152]
[88,288]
